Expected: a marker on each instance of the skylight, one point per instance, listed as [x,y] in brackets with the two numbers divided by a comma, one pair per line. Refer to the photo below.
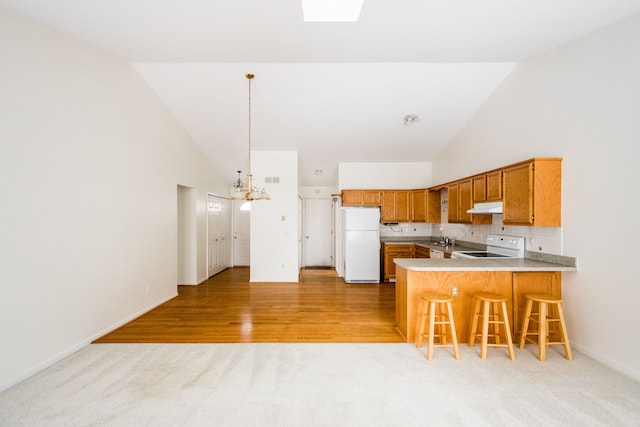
[331,10]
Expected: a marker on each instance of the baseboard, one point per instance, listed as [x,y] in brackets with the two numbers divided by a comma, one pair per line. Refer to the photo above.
[77,346]
[133,316]
[610,363]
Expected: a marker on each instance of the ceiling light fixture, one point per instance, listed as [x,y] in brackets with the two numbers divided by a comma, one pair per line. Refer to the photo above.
[245,189]
[331,10]
[410,119]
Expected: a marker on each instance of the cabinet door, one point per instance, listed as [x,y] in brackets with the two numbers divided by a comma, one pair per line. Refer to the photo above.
[395,251]
[479,188]
[518,194]
[433,206]
[371,197]
[403,206]
[351,197]
[465,201]
[494,186]
[421,252]
[419,205]
[452,215]
[388,208]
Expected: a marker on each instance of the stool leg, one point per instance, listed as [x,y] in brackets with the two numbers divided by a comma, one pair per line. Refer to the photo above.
[443,327]
[496,326]
[474,323]
[454,337]
[525,323]
[565,336]
[432,321]
[507,331]
[543,326]
[421,322]
[485,329]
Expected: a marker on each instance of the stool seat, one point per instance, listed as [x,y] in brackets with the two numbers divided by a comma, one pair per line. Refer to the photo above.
[543,318]
[433,308]
[484,302]
[487,296]
[432,296]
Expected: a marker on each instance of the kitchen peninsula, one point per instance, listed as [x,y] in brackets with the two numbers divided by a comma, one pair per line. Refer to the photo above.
[461,278]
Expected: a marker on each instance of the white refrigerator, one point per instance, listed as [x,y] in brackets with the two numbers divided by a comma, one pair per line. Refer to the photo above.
[361,245]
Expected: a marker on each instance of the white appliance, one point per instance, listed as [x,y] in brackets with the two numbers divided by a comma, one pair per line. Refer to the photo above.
[361,245]
[436,254]
[498,246]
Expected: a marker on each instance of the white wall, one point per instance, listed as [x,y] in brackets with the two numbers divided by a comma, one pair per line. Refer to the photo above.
[275,222]
[580,101]
[89,165]
[384,175]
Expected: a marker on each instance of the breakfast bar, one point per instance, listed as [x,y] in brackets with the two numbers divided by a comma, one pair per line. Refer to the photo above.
[461,278]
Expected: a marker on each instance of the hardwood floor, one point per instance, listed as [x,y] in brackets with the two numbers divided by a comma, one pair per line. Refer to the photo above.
[229,309]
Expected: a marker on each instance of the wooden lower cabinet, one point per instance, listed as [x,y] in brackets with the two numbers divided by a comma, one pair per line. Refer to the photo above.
[421,252]
[395,251]
[514,285]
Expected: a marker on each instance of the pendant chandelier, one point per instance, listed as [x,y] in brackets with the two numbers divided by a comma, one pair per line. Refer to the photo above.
[245,188]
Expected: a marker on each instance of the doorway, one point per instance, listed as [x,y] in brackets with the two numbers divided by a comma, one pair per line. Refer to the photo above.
[241,234]
[318,232]
[187,236]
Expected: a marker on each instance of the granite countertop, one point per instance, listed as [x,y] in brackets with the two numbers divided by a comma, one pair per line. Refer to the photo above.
[449,264]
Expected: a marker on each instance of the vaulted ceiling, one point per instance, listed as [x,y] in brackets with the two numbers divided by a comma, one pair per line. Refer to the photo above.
[335,92]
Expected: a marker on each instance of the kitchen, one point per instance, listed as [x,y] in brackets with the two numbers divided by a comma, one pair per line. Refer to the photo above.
[527,192]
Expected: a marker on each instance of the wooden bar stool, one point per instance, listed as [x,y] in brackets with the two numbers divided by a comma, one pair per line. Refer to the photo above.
[485,302]
[433,307]
[544,318]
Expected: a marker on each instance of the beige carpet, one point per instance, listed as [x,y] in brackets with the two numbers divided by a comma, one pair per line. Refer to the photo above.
[318,385]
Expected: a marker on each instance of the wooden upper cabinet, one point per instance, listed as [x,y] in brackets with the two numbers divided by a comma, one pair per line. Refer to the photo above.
[396,206]
[479,188]
[351,197]
[494,186]
[419,205]
[434,213]
[460,201]
[465,201]
[388,207]
[452,215]
[371,197]
[403,205]
[361,197]
[532,193]
[487,187]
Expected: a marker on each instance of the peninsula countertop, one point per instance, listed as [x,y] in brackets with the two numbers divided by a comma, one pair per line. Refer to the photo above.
[452,264]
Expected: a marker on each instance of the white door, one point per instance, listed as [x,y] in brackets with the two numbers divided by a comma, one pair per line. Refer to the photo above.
[241,234]
[318,232]
[218,234]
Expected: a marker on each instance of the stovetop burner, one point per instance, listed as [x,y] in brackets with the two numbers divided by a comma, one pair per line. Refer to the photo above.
[485,255]
[498,246]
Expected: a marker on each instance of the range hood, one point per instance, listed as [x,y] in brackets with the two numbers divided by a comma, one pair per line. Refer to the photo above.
[486,208]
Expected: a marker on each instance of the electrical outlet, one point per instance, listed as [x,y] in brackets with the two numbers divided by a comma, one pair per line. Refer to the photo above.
[454,290]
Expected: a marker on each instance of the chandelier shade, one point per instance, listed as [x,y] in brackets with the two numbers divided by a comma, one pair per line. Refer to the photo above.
[245,189]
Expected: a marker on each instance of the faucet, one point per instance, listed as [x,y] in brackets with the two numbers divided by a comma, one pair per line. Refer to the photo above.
[445,240]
